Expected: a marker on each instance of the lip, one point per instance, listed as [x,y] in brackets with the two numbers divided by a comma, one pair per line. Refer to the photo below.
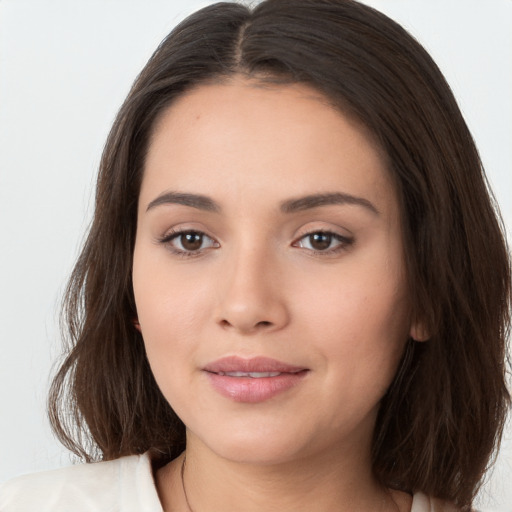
[256,388]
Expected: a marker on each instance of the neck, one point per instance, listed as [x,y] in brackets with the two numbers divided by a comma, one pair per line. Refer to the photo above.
[201,481]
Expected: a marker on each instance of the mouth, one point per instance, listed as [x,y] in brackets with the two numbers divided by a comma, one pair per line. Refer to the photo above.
[252,380]
[254,367]
[251,375]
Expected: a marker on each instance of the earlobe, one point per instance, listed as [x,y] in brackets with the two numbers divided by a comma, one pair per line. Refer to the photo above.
[419,332]
[135,322]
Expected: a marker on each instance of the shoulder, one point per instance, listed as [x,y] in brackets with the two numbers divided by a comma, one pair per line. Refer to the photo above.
[122,484]
[423,503]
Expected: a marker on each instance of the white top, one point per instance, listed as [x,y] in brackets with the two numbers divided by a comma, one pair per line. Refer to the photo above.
[122,485]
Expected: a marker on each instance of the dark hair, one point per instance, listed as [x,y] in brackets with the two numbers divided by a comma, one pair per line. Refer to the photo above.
[443,415]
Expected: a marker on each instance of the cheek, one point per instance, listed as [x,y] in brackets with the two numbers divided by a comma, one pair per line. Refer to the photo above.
[169,321]
[361,302]
[361,323]
[170,311]
[166,301]
[361,333]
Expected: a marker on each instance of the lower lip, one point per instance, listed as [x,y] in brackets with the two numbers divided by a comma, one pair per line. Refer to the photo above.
[254,390]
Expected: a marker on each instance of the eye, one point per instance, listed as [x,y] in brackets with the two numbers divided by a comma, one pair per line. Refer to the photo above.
[324,241]
[188,242]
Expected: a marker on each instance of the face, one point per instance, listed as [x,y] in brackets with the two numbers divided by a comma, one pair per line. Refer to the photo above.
[268,272]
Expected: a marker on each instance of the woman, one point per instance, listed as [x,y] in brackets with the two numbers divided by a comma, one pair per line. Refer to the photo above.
[286,300]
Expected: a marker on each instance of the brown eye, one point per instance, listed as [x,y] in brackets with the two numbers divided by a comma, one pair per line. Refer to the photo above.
[320,241]
[324,242]
[189,242]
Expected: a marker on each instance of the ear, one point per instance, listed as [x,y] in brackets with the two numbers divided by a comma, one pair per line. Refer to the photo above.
[135,322]
[419,332]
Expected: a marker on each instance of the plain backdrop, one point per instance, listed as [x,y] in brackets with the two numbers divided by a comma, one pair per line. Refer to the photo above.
[65,67]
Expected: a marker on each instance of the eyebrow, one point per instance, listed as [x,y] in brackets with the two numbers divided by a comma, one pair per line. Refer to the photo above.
[194,200]
[316,200]
[205,203]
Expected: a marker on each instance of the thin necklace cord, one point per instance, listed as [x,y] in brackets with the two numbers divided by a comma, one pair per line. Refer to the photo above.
[183,483]
[182,473]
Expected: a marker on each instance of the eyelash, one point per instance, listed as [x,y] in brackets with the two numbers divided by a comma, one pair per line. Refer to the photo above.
[184,253]
[344,242]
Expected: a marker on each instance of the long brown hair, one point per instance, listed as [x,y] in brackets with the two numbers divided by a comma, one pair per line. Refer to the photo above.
[444,413]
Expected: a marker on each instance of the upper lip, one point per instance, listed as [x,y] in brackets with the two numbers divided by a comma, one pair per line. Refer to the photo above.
[253,364]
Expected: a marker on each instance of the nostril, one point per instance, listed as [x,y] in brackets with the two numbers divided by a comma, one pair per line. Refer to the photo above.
[258,325]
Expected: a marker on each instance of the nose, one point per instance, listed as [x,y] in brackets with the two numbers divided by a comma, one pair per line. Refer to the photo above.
[252,297]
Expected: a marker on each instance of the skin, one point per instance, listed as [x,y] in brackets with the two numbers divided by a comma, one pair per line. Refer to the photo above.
[257,284]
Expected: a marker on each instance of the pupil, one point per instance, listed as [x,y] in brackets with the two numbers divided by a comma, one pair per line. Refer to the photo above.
[191,241]
[320,241]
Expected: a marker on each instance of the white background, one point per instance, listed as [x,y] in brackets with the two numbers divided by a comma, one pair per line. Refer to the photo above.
[65,67]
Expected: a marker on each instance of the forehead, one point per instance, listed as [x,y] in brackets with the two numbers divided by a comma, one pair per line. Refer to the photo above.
[264,139]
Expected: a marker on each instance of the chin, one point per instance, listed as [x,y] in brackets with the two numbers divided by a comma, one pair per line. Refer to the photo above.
[255,446]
